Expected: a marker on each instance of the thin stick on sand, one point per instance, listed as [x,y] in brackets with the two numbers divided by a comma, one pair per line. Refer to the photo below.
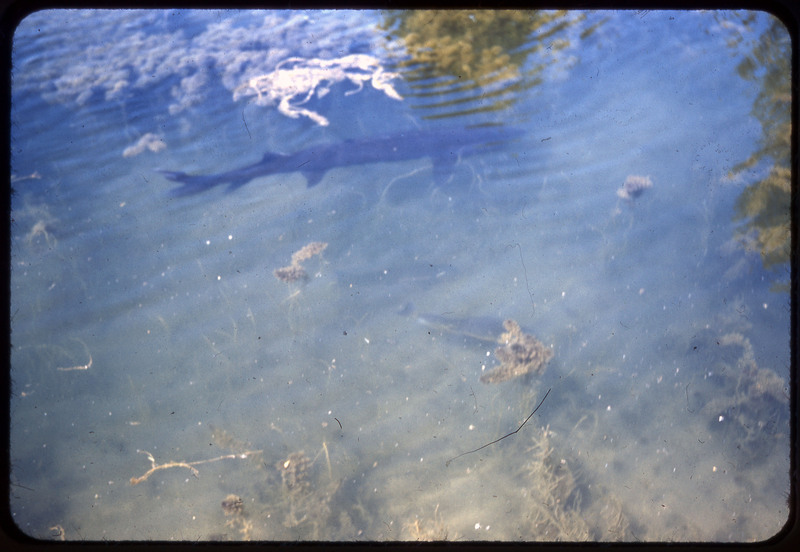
[80,366]
[188,465]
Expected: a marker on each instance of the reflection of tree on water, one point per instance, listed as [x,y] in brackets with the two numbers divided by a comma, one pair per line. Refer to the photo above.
[475,59]
[765,204]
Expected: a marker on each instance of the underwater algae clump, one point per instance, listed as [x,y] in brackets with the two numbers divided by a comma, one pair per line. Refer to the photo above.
[296,484]
[429,530]
[556,508]
[519,354]
[237,519]
[749,406]
[295,270]
[307,497]
[634,186]
[292,498]
[296,493]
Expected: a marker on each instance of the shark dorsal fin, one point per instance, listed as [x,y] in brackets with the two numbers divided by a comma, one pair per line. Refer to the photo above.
[313,176]
[272,156]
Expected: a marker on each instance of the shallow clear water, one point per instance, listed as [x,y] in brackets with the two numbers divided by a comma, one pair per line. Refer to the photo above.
[149,327]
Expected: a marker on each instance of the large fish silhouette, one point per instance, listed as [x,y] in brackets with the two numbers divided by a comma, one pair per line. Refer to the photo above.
[444,146]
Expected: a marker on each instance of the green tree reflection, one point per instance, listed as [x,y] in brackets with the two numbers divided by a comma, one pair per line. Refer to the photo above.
[463,61]
[764,206]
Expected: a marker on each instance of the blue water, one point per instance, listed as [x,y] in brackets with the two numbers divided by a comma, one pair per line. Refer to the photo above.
[147,322]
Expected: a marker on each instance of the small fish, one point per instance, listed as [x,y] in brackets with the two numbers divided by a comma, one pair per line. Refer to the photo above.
[482,329]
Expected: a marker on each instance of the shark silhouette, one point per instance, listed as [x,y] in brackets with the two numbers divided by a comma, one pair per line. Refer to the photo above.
[444,146]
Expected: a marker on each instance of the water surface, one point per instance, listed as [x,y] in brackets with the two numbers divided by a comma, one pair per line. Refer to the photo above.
[150,329]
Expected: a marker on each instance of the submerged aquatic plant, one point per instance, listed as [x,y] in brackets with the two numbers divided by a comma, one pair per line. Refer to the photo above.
[747,405]
[634,186]
[557,509]
[295,270]
[519,354]
[433,529]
